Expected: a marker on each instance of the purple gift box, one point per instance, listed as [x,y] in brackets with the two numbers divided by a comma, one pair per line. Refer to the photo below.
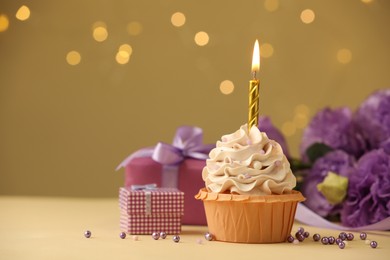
[178,165]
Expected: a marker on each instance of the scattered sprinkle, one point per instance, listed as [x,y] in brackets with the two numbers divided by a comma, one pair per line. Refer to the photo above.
[163,235]
[208,236]
[122,235]
[176,238]
[373,244]
[342,245]
[87,234]
[155,235]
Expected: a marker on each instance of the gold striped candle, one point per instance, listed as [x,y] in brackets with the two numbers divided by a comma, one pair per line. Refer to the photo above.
[254,84]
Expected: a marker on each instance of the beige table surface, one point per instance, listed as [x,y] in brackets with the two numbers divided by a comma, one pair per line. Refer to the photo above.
[53,228]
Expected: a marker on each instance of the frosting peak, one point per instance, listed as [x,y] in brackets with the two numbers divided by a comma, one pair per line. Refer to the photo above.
[248,163]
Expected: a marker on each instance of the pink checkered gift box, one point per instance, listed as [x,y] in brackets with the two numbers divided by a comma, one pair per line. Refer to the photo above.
[144,211]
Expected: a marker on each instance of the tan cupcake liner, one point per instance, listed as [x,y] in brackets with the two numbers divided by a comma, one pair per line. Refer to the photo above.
[250,219]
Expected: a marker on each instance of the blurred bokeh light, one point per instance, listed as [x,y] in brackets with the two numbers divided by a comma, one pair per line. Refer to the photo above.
[23,13]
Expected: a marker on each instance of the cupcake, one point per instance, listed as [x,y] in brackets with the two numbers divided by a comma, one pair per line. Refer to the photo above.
[249,196]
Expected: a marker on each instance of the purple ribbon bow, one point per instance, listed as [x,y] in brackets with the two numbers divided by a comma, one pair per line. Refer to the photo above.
[187,143]
[151,186]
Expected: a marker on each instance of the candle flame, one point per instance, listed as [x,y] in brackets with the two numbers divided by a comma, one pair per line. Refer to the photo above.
[256,59]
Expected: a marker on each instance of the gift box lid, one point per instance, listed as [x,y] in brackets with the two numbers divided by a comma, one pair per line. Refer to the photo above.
[151,201]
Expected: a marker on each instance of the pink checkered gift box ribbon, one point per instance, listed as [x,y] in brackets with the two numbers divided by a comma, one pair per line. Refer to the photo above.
[151,210]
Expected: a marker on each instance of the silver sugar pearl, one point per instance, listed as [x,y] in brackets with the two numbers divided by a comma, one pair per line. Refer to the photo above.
[155,235]
[208,236]
[163,235]
[176,238]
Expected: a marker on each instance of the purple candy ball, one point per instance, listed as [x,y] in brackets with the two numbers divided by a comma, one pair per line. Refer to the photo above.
[316,237]
[306,234]
[373,244]
[338,240]
[331,240]
[300,237]
[350,236]
[363,236]
[290,239]
[325,240]
[341,245]
[122,235]
[343,236]
[87,234]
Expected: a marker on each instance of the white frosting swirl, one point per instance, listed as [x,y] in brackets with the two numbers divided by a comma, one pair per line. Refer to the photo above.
[248,164]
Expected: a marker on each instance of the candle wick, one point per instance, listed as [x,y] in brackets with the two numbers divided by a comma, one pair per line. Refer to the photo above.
[254,74]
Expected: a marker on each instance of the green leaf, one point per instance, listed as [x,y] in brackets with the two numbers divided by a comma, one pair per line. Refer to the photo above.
[317,150]
[298,165]
[334,188]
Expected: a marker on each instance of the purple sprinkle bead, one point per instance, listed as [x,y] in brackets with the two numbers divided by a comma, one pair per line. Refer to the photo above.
[300,230]
[176,238]
[341,245]
[325,240]
[373,244]
[306,234]
[300,237]
[122,235]
[87,234]
[155,235]
[290,239]
[343,236]
[163,235]
[350,236]
[338,240]
[208,236]
[363,236]
[316,237]
[331,240]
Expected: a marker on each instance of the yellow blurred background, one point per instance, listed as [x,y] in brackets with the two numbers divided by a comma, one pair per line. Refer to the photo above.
[85,83]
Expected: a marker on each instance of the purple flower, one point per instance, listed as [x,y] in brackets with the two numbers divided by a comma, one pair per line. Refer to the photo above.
[337,162]
[265,125]
[373,118]
[335,129]
[368,198]
[386,146]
